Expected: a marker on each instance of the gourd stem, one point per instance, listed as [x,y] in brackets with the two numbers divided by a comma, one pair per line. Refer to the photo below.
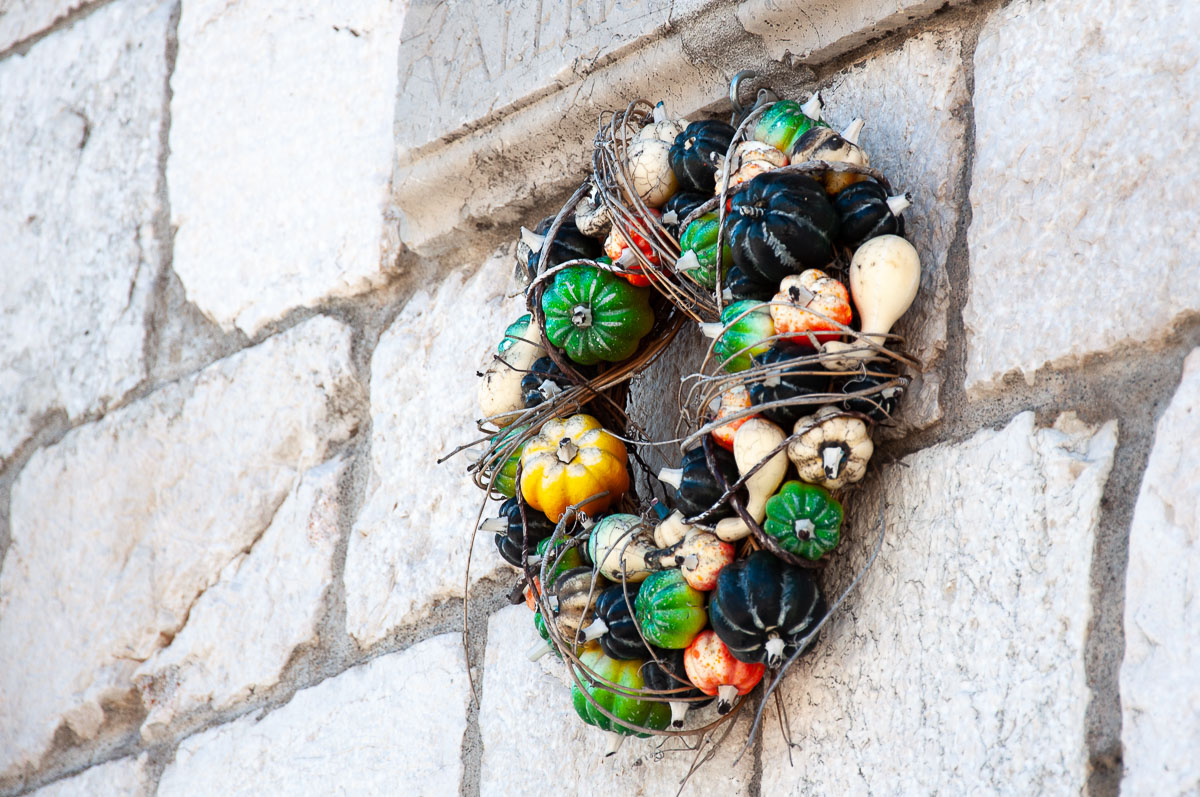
[899,203]
[541,648]
[660,112]
[614,743]
[597,629]
[581,316]
[671,476]
[832,458]
[812,108]
[494,524]
[690,562]
[532,239]
[774,648]
[711,329]
[567,450]
[678,712]
[726,694]
[803,528]
[851,132]
[688,262]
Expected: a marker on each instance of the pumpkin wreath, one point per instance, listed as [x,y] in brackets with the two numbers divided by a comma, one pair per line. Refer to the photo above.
[775,235]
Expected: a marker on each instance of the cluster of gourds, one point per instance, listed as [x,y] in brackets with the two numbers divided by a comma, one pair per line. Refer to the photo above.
[681,602]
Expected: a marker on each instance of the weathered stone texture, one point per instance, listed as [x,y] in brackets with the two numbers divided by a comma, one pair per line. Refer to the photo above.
[117,529]
[1080,128]
[279,168]
[80,123]
[391,726]
[409,545]
[958,665]
[912,100]
[126,777]
[243,629]
[532,736]
[1160,675]
[22,19]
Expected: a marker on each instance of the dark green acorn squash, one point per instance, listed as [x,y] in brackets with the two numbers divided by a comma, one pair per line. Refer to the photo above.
[864,213]
[619,639]
[697,488]
[569,244]
[763,607]
[511,538]
[781,224]
[681,204]
[543,382]
[697,153]
[668,676]
[738,286]
[802,379]
[593,315]
[882,405]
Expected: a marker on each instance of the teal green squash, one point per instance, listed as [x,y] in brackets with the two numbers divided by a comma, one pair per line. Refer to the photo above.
[669,611]
[805,518]
[748,335]
[593,315]
[517,331]
[701,237]
[782,124]
[629,709]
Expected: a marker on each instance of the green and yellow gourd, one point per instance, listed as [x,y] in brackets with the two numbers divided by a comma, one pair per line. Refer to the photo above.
[627,708]
[670,611]
[749,333]
[699,246]
[805,519]
[503,469]
[594,316]
[785,121]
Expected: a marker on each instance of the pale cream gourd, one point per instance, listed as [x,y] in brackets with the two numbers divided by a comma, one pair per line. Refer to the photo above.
[832,449]
[622,544]
[754,440]
[500,397]
[885,273]
[750,159]
[592,217]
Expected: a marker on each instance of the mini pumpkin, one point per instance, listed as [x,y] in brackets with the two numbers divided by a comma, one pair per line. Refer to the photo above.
[788,377]
[500,398]
[787,120]
[666,673]
[750,159]
[632,712]
[780,224]
[679,207]
[713,668]
[623,547]
[697,487]
[568,461]
[569,244]
[823,144]
[794,309]
[576,592]
[698,151]
[831,449]
[879,405]
[594,316]
[502,470]
[865,211]
[513,535]
[745,329]
[699,240]
[805,519]
[670,612]
[615,627]
[734,400]
[619,246]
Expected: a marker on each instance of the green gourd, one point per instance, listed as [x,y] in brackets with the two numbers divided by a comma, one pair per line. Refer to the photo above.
[784,122]
[805,519]
[627,708]
[700,238]
[749,333]
[505,468]
[594,315]
[669,611]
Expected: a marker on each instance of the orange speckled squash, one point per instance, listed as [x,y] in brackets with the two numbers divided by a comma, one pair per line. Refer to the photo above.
[714,671]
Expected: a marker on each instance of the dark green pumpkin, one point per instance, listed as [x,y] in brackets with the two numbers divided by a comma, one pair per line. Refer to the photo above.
[782,124]
[561,561]
[569,244]
[669,611]
[737,286]
[697,153]
[668,676]
[801,379]
[631,711]
[596,316]
[881,405]
[516,331]
[511,541]
[864,214]
[543,382]
[749,333]
[701,237]
[621,639]
[781,224]
[763,607]
[699,488]
[681,203]
[505,469]
[805,519]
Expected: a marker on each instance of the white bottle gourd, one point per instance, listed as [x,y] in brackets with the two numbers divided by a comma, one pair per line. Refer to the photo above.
[754,440]
[885,273]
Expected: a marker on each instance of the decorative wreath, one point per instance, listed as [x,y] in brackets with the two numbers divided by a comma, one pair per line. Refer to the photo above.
[778,238]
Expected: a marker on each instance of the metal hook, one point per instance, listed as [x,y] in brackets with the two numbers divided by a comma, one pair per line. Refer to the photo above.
[764,95]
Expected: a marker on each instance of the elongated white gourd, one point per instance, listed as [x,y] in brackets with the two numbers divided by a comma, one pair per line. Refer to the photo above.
[884,276]
[754,440]
[500,391]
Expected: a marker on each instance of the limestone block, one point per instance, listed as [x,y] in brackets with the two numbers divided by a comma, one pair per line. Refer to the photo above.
[1160,676]
[532,736]
[242,631]
[279,167]
[81,115]
[118,528]
[1083,224]
[912,100]
[21,19]
[409,544]
[957,667]
[127,777]
[391,726]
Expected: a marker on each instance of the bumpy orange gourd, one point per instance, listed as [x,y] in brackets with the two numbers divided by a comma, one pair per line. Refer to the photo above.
[813,289]
[732,400]
[714,671]
[570,460]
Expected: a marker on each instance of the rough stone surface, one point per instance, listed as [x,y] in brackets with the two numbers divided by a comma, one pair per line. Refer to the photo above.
[278,182]
[81,115]
[532,736]
[391,726]
[243,629]
[126,777]
[966,639]
[912,100]
[103,570]
[1080,129]
[409,545]
[1160,675]
[22,19]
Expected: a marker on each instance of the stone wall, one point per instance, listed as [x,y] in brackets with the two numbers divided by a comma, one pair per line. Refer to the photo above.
[253,254]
